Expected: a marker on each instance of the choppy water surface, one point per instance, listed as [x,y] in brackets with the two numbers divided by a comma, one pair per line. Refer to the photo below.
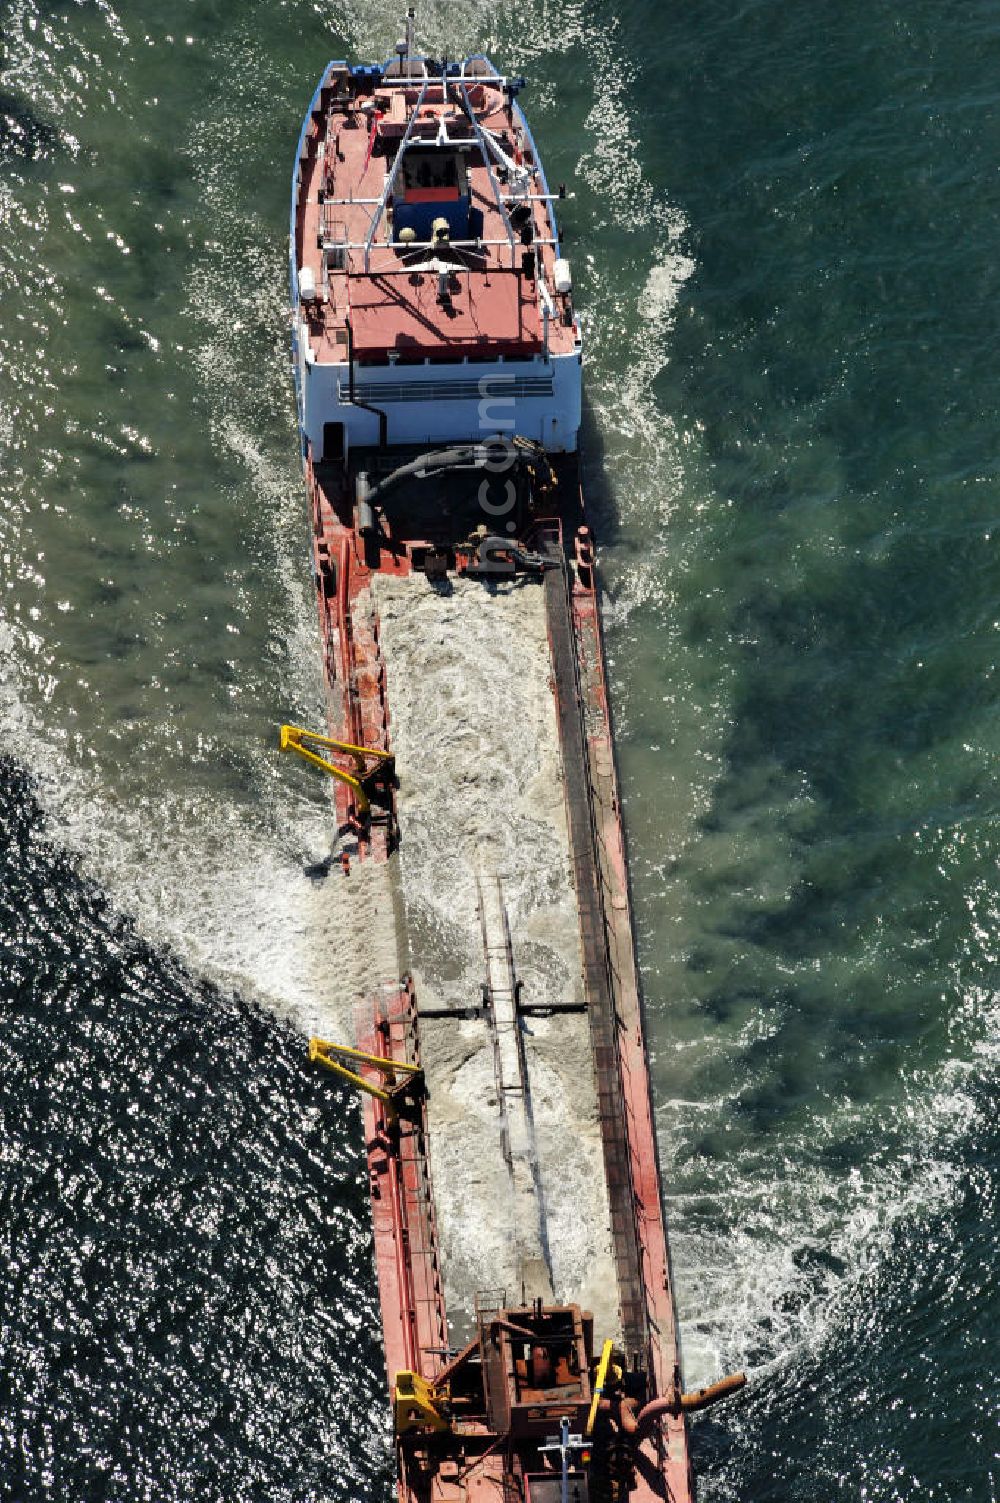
[174,1184]
[784,244]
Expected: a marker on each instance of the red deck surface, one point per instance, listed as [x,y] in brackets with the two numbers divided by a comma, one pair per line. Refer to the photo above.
[488,314]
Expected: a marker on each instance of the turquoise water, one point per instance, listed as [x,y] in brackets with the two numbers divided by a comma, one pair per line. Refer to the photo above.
[783,238]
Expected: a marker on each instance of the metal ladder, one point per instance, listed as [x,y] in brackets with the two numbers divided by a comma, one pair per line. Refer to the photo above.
[517,1132]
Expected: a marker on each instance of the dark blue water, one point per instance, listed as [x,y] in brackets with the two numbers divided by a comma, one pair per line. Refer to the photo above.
[784,241]
[188,1276]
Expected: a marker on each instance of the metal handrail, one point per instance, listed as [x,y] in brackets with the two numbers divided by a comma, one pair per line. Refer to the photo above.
[481,139]
[505,160]
[390,181]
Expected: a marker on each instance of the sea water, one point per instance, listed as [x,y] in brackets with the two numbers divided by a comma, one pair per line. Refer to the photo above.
[783,239]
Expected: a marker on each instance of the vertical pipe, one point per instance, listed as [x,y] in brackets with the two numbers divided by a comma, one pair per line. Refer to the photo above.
[383,417]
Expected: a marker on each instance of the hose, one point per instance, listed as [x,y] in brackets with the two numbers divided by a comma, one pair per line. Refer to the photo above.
[638,1422]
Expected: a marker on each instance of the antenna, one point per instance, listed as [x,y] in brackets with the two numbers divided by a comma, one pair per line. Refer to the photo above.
[404,47]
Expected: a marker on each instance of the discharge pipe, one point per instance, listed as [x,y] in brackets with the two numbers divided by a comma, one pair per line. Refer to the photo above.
[516,453]
[383,417]
[639,1422]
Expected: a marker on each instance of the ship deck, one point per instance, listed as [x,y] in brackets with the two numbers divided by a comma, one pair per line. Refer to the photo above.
[494,305]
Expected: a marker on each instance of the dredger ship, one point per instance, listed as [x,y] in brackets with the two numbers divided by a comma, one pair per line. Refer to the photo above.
[520,1247]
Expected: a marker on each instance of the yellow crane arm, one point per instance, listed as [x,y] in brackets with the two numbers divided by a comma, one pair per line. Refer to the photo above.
[296,738]
[322,1052]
